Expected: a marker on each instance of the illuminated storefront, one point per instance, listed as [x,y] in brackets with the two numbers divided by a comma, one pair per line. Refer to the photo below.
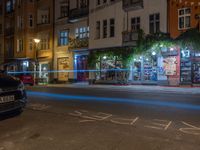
[190,67]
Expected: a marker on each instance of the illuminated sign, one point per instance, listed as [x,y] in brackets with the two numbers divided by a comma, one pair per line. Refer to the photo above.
[197,54]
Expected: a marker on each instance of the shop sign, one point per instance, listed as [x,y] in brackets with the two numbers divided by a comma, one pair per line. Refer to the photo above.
[185,53]
[197,54]
[169,53]
[170,66]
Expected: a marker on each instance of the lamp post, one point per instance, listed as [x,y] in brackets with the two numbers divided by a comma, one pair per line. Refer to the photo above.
[36,41]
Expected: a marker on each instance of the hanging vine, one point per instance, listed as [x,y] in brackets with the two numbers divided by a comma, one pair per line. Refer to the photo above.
[190,39]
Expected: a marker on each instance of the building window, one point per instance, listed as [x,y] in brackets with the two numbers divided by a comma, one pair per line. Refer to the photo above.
[44,19]
[98,28]
[30,44]
[154,23]
[98,2]
[1,29]
[82,32]
[19,3]
[184,18]
[9,7]
[1,9]
[19,45]
[30,20]
[63,38]
[19,22]
[105,28]
[64,10]
[135,23]
[44,44]
[83,3]
[112,27]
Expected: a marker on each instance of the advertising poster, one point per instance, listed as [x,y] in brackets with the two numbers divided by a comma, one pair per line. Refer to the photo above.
[63,65]
[170,66]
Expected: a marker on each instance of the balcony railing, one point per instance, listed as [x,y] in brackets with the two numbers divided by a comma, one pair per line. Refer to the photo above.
[44,54]
[78,43]
[129,38]
[132,4]
[78,13]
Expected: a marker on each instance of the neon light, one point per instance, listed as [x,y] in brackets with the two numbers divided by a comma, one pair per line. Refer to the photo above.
[62,97]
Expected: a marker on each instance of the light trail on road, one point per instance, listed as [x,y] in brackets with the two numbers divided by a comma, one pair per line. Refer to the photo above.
[146,103]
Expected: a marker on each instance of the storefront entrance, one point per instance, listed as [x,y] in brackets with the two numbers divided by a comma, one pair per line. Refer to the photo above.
[43,73]
[196,73]
[81,64]
[145,70]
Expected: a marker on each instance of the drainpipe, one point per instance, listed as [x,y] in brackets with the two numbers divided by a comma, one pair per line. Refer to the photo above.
[53,38]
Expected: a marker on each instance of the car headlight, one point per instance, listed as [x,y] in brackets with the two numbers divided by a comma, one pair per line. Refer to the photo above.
[21,87]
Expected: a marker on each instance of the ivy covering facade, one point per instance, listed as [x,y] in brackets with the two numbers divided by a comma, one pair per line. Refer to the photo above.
[145,44]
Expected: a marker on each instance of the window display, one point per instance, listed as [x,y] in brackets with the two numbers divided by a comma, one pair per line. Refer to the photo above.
[186,67]
[196,72]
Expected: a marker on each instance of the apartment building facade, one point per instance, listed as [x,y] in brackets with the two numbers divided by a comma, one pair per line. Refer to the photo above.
[18,33]
[183,15]
[71,40]
[69,31]
[119,28]
[45,34]
[184,22]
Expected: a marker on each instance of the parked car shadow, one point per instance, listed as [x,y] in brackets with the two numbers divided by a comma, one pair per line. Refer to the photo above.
[9,115]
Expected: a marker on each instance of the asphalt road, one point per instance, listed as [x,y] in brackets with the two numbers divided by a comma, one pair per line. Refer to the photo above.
[102,118]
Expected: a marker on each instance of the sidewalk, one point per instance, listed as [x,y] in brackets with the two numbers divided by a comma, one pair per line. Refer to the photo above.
[130,88]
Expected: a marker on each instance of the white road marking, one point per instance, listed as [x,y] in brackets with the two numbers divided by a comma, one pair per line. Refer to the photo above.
[37,106]
[191,130]
[123,121]
[159,124]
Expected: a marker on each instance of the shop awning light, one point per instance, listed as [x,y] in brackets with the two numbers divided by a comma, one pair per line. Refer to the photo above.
[153,53]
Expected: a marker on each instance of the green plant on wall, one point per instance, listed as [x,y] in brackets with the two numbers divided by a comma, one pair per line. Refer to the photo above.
[127,54]
[190,39]
[76,43]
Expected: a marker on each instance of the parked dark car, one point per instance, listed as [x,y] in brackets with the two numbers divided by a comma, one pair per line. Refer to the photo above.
[12,94]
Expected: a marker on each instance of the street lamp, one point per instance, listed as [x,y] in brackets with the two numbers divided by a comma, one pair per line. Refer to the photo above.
[37,41]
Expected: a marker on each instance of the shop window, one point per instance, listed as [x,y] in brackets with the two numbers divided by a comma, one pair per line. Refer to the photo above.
[186,67]
[196,68]
[145,69]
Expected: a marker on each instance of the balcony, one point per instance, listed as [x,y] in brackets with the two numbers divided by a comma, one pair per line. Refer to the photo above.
[78,14]
[132,4]
[129,38]
[44,54]
[9,31]
[78,43]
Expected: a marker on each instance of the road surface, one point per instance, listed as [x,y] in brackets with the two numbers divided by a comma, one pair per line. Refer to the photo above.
[105,118]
